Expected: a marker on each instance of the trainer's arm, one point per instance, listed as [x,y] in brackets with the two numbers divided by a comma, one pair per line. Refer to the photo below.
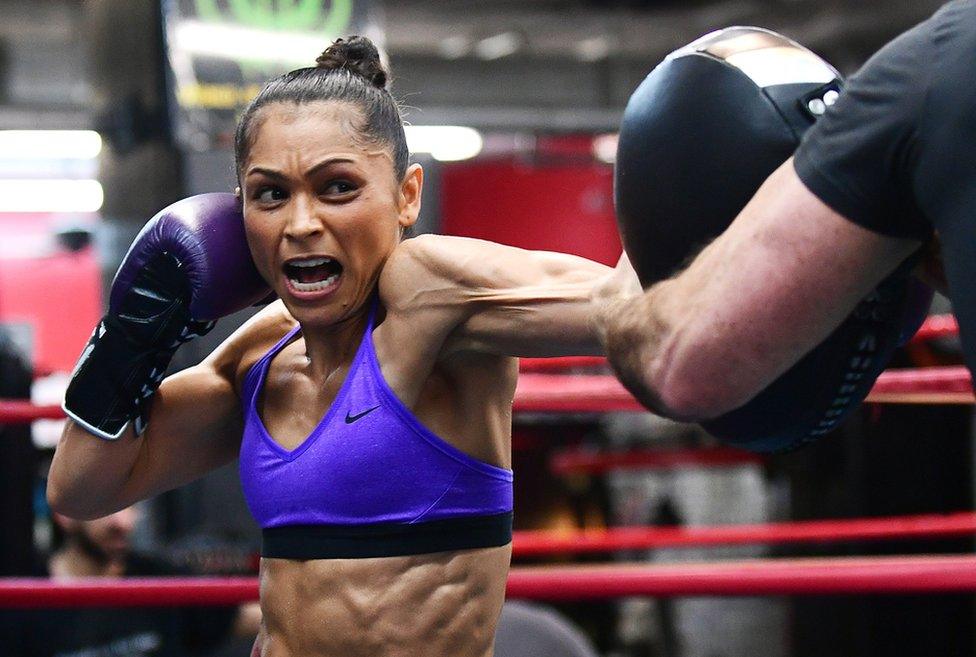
[498,299]
[774,285]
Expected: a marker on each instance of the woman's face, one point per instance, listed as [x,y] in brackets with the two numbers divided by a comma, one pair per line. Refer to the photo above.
[323,208]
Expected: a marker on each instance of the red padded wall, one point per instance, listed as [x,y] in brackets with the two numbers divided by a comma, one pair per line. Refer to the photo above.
[566,208]
[56,293]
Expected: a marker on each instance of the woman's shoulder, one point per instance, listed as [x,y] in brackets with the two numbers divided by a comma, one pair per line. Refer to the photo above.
[429,271]
[413,276]
[413,260]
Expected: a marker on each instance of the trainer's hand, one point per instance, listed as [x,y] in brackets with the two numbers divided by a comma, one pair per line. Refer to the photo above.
[188,266]
[620,287]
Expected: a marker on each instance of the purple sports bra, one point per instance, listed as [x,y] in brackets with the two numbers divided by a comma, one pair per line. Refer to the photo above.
[369,480]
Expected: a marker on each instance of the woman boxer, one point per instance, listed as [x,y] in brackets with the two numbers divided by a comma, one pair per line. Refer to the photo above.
[374,398]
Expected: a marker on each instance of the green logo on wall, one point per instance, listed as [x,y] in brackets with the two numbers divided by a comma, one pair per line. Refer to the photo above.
[330,17]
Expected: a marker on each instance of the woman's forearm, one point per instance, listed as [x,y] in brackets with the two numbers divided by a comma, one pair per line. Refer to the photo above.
[88,473]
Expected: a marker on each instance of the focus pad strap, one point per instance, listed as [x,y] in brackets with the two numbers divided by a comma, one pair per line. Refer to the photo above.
[126,358]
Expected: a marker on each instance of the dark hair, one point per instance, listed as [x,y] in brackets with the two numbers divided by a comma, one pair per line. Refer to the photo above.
[348,71]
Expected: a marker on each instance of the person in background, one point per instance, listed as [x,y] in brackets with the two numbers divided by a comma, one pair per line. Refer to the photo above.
[103,548]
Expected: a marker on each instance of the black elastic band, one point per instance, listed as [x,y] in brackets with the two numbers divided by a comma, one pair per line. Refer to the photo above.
[385,539]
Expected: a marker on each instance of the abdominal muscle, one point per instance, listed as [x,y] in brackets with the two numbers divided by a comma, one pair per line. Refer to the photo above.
[432,605]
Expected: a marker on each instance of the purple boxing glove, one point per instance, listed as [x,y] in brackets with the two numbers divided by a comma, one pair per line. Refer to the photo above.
[188,266]
[206,234]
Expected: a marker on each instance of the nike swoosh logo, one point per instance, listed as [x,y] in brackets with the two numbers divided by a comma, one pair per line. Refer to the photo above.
[352,418]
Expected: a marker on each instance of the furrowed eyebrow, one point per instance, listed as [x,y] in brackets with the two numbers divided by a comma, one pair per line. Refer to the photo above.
[271,173]
[327,163]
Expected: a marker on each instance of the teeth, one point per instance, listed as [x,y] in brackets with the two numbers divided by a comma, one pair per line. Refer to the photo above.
[314,287]
[313,262]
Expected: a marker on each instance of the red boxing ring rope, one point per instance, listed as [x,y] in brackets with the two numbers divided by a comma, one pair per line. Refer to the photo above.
[20,411]
[572,393]
[602,393]
[40,593]
[862,575]
[568,393]
[541,365]
[934,327]
[930,385]
[548,543]
[586,461]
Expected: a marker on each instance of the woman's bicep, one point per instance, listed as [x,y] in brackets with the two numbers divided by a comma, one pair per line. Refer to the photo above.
[474,295]
[530,303]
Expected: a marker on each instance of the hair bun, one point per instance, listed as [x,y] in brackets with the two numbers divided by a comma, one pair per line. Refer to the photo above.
[356,54]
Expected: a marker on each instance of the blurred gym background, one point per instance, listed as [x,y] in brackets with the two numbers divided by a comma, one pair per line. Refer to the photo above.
[111,109]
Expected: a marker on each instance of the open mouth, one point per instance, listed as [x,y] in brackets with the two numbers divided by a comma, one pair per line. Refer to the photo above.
[312,274]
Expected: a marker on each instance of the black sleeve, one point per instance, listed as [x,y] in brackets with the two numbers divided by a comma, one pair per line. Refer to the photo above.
[946,176]
[859,157]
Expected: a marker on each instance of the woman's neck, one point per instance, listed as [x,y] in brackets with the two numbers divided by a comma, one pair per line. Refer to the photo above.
[328,349]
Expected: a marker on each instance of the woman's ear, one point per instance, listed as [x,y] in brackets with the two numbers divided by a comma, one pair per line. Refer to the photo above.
[411,190]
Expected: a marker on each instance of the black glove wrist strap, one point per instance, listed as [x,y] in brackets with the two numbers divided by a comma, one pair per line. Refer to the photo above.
[113,382]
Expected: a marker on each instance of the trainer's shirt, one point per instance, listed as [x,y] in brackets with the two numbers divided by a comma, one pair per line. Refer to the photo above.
[896,153]
[370,480]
